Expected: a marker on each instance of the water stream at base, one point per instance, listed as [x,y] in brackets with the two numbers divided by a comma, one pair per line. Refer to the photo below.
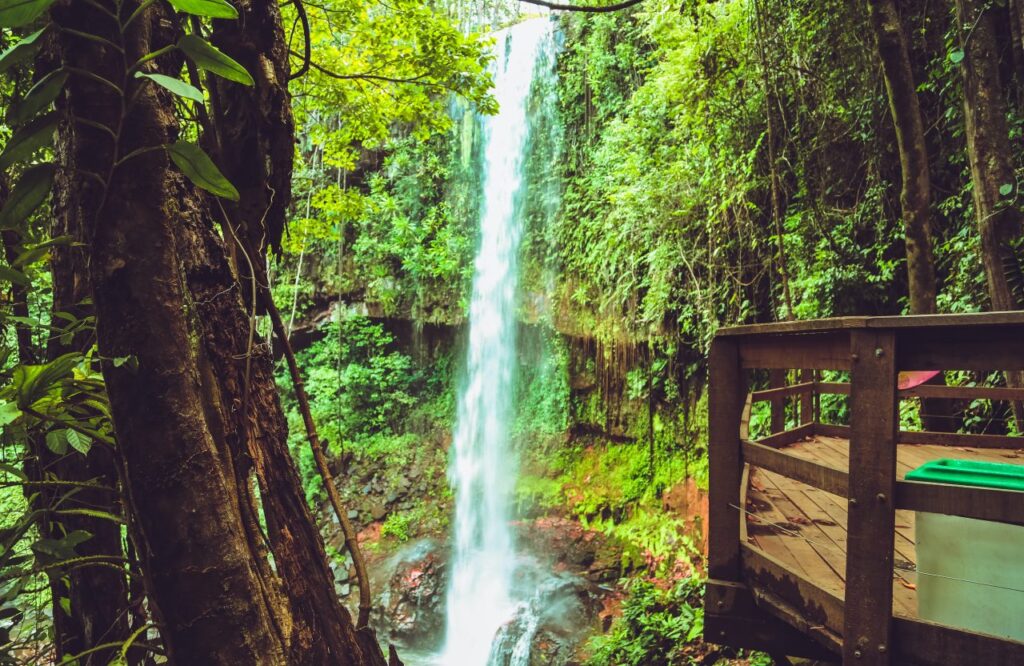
[491,614]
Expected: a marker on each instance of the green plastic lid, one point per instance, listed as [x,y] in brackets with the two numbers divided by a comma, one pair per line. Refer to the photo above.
[970,473]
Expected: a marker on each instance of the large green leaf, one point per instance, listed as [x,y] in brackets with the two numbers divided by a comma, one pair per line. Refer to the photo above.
[31,382]
[40,96]
[29,192]
[78,441]
[50,551]
[14,13]
[28,139]
[57,441]
[208,57]
[20,51]
[201,170]
[211,8]
[176,86]
[8,412]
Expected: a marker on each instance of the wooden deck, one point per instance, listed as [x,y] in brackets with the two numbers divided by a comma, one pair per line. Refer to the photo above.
[811,528]
[804,528]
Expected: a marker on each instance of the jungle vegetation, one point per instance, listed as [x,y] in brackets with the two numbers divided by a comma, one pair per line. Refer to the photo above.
[189,187]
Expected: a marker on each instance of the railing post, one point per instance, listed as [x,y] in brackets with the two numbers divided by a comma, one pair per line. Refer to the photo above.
[725,403]
[777,379]
[807,414]
[874,421]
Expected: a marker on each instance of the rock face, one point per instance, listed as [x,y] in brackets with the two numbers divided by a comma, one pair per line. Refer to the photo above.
[410,587]
[572,548]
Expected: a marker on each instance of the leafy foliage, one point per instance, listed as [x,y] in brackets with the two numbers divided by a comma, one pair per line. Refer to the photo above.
[655,625]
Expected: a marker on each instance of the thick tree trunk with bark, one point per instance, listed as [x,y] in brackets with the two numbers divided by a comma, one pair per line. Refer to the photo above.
[199,419]
[989,150]
[915,184]
[991,158]
[202,573]
[915,193]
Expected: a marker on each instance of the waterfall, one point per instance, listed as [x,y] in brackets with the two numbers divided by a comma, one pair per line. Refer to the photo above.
[482,599]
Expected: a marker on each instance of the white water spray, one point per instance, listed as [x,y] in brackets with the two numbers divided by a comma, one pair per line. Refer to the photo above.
[481,599]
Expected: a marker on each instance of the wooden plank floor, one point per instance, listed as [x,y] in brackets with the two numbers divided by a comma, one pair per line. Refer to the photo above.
[805,528]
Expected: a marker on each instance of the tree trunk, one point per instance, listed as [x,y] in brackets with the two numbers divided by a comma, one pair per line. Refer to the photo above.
[915,193]
[990,152]
[200,416]
[97,608]
[203,575]
[937,414]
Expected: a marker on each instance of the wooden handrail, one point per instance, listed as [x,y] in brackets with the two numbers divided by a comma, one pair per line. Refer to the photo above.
[963,392]
[921,391]
[817,475]
[782,392]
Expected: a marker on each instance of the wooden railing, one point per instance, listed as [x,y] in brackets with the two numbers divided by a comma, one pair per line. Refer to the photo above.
[755,601]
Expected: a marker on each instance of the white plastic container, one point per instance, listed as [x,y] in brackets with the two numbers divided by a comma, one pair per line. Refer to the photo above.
[970,574]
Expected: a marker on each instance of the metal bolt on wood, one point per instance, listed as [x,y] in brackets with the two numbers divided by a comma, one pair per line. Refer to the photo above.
[881,497]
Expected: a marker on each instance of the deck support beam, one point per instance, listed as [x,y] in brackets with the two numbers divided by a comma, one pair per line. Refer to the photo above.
[726,397]
[871,522]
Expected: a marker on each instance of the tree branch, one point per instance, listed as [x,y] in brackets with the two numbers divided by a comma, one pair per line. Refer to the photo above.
[417,80]
[591,9]
[300,9]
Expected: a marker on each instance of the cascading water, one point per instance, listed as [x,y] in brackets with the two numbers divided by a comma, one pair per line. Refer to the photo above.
[482,599]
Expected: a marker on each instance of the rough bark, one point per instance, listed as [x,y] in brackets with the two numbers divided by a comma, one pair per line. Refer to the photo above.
[915,192]
[202,574]
[988,148]
[915,182]
[254,126]
[100,604]
[199,418]
[240,375]
[252,134]
[990,153]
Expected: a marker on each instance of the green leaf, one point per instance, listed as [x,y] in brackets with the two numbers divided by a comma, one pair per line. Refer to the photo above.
[79,442]
[14,13]
[956,56]
[8,413]
[30,256]
[16,277]
[131,361]
[65,605]
[1005,189]
[201,170]
[39,96]
[21,51]
[57,441]
[210,8]
[208,57]
[31,382]
[29,192]
[92,513]
[176,86]
[56,550]
[28,139]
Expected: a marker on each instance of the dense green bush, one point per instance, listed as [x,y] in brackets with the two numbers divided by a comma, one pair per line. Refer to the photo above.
[655,624]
